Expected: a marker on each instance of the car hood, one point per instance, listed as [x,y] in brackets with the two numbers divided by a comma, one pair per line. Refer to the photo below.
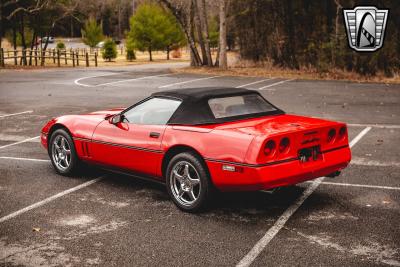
[105,113]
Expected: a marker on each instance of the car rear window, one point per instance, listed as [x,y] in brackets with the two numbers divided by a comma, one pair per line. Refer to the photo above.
[224,107]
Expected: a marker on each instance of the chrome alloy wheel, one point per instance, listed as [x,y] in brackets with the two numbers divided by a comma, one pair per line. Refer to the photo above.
[61,152]
[185,183]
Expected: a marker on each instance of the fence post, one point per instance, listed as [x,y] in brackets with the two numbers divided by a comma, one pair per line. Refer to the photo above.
[73,58]
[30,57]
[77,58]
[2,57]
[24,57]
[95,59]
[42,57]
[36,54]
[87,59]
[58,57]
[15,58]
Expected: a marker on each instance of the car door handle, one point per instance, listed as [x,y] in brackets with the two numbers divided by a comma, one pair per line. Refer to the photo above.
[154,135]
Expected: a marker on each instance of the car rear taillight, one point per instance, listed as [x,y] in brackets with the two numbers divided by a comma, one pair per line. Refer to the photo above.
[284,145]
[331,135]
[269,148]
[342,132]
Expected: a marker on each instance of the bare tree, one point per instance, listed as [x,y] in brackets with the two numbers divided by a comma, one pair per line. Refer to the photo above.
[199,28]
[204,26]
[223,60]
[336,42]
[183,12]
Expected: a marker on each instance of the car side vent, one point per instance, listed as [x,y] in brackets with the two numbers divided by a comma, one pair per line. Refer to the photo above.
[85,149]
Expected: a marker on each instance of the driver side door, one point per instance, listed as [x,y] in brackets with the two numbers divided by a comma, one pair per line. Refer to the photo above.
[134,143]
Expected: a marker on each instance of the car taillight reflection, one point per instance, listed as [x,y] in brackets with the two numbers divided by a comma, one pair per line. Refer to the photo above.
[331,135]
[270,148]
[284,145]
[342,132]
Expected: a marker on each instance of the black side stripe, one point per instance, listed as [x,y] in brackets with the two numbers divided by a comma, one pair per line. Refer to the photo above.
[119,145]
[333,149]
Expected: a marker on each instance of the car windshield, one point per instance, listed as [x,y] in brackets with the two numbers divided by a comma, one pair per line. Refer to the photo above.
[224,107]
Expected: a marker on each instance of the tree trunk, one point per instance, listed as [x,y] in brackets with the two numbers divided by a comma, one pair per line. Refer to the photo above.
[1,23]
[186,24]
[199,28]
[217,58]
[223,60]
[22,32]
[204,22]
[150,55]
[43,55]
[195,54]
[119,19]
[168,49]
[14,31]
[72,28]
[290,57]
[335,49]
[33,41]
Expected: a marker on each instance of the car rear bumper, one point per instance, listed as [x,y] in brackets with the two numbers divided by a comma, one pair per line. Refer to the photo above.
[251,178]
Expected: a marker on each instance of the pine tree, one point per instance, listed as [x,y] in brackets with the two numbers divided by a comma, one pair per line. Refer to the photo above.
[92,33]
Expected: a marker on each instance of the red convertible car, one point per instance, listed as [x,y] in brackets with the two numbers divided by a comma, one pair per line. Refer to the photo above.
[200,139]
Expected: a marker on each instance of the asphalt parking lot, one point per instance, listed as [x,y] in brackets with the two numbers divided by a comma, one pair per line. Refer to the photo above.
[108,219]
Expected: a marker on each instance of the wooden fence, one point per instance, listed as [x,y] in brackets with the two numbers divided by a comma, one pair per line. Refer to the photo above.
[59,57]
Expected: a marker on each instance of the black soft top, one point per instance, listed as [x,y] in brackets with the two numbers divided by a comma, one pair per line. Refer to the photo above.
[194,109]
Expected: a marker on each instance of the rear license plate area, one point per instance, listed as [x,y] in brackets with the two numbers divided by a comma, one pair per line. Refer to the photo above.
[310,154]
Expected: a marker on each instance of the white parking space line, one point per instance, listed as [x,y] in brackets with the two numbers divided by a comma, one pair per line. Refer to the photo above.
[375,163]
[26,159]
[383,126]
[77,81]
[273,231]
[359,136]
[277,83]
[134,79]
[362,185]
[19,142]
[256,82]
[49,199]
[190,81]
[13,114]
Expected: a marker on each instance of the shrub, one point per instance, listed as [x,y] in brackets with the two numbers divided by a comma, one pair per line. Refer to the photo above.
[60,45]
[130,50]
[109,50]
[130,54]
[176,53]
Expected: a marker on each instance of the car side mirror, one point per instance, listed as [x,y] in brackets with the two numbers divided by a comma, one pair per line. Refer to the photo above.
[116,119]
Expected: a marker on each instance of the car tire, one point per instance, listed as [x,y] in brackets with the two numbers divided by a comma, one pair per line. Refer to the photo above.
[188,182]
[62,153]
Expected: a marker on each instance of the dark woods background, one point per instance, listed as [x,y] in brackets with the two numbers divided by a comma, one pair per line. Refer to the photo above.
[306,33]
[295,34]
